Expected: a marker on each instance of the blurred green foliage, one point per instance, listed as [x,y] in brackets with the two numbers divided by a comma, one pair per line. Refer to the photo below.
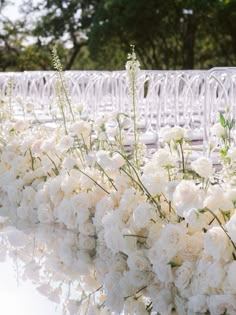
[96,34]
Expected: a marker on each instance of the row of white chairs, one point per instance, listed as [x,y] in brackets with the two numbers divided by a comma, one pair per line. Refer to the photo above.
[190,98]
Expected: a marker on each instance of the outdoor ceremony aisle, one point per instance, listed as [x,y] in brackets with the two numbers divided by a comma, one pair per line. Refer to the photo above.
[100,222]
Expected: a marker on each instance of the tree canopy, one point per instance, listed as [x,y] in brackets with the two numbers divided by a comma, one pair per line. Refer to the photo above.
[96,34]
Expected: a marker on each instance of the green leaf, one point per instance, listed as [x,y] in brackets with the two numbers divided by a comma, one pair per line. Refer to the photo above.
[222,120]
[231,124]
[223,152]
[174,264]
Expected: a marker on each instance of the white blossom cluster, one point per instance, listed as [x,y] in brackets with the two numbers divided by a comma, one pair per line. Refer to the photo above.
[162,237]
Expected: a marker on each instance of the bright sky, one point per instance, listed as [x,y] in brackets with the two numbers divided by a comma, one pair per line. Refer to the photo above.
[12,10]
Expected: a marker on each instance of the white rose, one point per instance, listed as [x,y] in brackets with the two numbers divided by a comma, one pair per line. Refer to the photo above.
[68,163]
[69,183]
[196,219]
[137,261]
[163,158]
[222,304]
[163,302]
[192,247]
[21,125]
[28,196]
[112,132]
[16,238]
[82,215]
[217,130]
[45,214]
[217,244]
[162,269]
[138,278]
[155,182]
[199,283]
[143,214]
[170,189]
[80,129]
[115,300]
[231,275]
[111,279]
[65,213]
[232,154]
[126,286]
[102,207]
[187,196]
[217,199]
[197,304]
[48,145]
[180,305]
[65,143]
[203,167]
[183,275]
[216,275]
[178,133]
[165,133]
[231,227]
[132,306]
[118,160]
[87,242]
[24,213]
[231,194]
[87,228]
[234,135]
[104,159]
[113,234]
[85,181]
[172,240]
[36,146]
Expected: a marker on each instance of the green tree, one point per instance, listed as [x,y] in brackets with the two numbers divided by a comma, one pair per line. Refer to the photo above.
[165,32]
[64,21]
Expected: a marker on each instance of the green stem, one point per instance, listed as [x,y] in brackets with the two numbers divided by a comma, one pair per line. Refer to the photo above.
[108,177]
[182,156]
[32,159]
[65,93]
[62,111]
[56,169]
[143,288]
[95,182]
[141,185]
[89,295]
[134,235]
[220,224]
[134,121]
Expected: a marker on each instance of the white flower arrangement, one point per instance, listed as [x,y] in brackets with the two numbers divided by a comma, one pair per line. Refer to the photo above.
[161,230]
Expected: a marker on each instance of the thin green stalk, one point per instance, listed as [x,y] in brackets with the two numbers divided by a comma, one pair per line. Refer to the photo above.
[108,177]
[32,159]
[134,235]
[182,156]
[66,95]
[90,294]
[95,182]
[143,288]
[135,123]
[61,108]
[220,224]
[56,169]
[143,187]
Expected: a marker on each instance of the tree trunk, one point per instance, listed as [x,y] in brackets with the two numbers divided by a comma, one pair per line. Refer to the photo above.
[189,41]
[75,51]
